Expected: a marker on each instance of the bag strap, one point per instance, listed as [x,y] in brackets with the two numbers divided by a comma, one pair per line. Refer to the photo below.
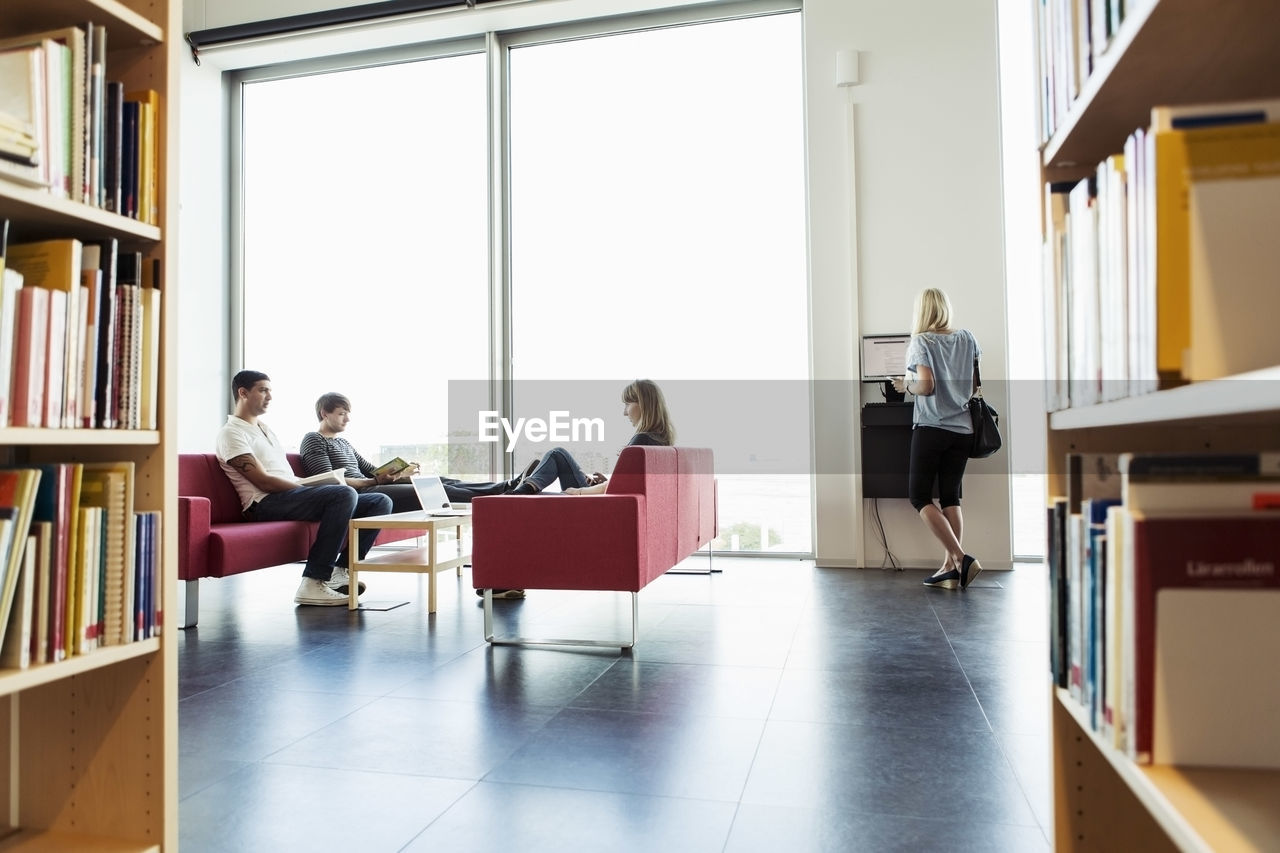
[977,379]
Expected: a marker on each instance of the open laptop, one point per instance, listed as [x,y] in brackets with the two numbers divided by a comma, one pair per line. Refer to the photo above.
[432,496]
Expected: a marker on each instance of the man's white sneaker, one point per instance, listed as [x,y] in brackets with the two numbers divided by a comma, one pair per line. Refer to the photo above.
[340,581]
[312,591]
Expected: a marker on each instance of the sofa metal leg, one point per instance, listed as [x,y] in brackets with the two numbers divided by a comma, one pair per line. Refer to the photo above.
[190,604]
[529,641]
[711,569]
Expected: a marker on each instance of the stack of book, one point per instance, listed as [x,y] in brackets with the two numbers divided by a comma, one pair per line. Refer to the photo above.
[1164,582]
[66,128]
[79,568]
[1156,265]
[79,336]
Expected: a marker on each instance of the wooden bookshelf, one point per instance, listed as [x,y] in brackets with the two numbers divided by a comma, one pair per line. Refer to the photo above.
[1165,52]
[91,741]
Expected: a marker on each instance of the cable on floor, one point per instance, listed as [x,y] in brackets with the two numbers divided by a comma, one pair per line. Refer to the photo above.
[889,559]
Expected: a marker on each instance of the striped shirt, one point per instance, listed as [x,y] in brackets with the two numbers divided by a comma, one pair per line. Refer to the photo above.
[321,453]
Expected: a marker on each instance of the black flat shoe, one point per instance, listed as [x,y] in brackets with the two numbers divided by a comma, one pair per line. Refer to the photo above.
[946,580]
[969,570]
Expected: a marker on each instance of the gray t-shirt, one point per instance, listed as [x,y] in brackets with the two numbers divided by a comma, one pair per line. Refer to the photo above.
[950,356]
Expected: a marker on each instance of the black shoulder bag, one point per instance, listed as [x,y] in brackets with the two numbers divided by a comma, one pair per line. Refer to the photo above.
[986,420]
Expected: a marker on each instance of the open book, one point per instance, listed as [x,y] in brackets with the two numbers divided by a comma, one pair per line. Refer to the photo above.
[393,468]
[323,479]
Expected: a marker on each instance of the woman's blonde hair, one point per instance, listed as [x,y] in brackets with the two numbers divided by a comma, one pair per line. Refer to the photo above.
[932,312]
[654,418]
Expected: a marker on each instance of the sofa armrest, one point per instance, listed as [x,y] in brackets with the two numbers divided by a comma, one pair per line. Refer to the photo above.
[595,542]
[193,537]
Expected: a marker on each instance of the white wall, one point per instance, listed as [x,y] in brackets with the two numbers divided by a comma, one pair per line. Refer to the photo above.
[928,213]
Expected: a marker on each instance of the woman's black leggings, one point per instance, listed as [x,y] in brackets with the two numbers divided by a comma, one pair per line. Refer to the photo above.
[937,454]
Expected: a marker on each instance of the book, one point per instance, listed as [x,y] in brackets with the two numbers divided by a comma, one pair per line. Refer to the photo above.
[109,485]
[149,371]
[1092,601]
[54,503]
[56,266]
[1091,475]
[72,608]
[1196,483]
[91,279]
[30,345]
[17,499]
[128,343]
[43,595]
[129,159]
[1206,597]
[1233,197]
[113,130]
[63,53]
[392,468]
[15,651]
[1214,114]
[82,607]
[149,142]
[55,355]
[10,285]
[104,392]
[23,98]
[322,479]
[1114,607]
[1056,561]
[96,41]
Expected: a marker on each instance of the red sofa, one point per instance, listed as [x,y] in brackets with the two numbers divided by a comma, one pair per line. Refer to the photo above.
[659,508]
[214,538]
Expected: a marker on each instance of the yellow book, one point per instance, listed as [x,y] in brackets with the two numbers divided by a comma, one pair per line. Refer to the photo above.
[1232,152]
[149,146]
[110,485]
[75,548]
[1233,200]
[1173,295]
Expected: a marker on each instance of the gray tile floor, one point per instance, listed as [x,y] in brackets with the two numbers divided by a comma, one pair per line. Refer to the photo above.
[774,706]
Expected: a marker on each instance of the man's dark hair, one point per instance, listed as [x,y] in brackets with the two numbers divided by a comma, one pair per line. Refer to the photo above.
[246,379]
[328,402]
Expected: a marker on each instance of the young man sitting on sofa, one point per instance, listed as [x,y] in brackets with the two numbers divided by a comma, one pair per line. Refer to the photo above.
[255,462]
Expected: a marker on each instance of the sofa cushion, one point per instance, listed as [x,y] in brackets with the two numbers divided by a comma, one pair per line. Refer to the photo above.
[244,546]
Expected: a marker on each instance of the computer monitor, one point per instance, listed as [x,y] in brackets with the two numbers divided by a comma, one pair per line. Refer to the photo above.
[884,357]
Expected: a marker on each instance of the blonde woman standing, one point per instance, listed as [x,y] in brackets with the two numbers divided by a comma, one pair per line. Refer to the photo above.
[940,362]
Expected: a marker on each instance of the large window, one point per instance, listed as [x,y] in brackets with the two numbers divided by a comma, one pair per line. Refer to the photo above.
[658,231]
[365,214]
[651,225]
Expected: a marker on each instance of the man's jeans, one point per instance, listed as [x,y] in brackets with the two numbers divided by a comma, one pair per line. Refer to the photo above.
[333,506]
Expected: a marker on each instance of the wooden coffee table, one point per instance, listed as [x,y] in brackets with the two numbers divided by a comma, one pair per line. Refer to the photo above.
[425,558]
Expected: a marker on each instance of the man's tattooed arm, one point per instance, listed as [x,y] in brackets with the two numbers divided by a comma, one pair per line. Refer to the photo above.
[248,465]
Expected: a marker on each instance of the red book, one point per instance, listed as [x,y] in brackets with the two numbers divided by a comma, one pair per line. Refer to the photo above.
[29,351]
[54,503]
[1209,673]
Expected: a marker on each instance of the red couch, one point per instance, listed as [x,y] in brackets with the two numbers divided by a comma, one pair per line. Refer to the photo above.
[214,538]
[659,508]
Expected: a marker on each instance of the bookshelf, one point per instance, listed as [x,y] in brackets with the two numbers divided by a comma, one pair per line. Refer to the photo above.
[91,741]
[1164,52]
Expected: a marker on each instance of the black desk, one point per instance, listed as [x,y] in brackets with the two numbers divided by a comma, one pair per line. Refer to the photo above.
[886,449]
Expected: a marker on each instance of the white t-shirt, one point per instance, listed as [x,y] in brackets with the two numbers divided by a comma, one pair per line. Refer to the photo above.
[238,437]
